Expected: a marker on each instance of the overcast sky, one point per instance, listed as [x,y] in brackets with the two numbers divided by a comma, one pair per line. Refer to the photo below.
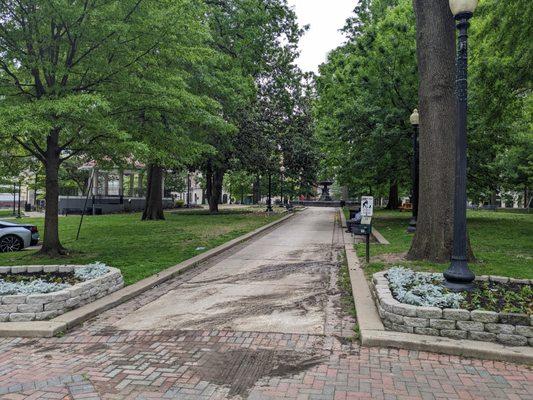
[326,17]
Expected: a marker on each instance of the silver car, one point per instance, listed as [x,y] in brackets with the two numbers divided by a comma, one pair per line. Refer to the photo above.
[15,237]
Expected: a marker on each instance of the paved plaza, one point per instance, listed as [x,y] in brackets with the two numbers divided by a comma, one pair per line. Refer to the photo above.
[261,321]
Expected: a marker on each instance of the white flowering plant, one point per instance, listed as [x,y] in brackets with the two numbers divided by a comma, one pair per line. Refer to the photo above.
[40,284]
[91,271]
[421,289]
[31,287]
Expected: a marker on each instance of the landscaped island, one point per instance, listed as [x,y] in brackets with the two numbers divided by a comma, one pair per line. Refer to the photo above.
[499,309]
[36,293]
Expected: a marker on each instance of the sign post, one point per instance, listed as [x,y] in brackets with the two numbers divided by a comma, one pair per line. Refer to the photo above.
[367,206]
[363,227]
[367,211]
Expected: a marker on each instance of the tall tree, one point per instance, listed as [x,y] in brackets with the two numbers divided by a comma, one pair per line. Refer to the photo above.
[61,64]
[166,107]
[366,91]
[261,38]
[438,123]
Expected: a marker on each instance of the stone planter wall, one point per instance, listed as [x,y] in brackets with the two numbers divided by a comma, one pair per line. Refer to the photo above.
[38,307]
[487,326]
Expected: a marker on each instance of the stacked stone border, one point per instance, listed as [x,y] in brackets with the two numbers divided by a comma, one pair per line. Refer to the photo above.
[487,326]
[40,307]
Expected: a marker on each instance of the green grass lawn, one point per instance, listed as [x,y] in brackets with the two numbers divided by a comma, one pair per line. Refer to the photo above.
[140,249]
[6,213]
[502,243]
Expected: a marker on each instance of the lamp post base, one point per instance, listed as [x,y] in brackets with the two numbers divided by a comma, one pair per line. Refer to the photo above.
[458,276]
[459,286]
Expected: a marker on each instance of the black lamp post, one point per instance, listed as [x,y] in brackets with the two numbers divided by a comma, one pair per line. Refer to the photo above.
[415,119]
[18,205]
[14,198]
[281,177]
[458,275]
[269,201]
[188,189]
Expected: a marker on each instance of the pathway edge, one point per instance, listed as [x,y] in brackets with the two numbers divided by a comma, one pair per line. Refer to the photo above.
[373,333]
[75,317]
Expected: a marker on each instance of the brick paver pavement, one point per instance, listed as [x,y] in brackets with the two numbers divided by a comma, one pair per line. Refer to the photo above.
[97,361]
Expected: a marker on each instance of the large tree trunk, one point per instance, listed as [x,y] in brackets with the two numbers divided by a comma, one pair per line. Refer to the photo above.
[153,209]
[394,198]
[214,180]
[438,124]
[51,244]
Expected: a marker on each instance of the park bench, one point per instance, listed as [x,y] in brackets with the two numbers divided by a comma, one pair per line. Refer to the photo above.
[406,207]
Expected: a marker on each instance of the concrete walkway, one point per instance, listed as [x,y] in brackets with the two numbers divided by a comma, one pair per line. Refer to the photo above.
[277,283]
[262,321]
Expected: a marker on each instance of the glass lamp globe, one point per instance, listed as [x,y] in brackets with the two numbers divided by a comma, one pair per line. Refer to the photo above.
[463,6]
[415,117]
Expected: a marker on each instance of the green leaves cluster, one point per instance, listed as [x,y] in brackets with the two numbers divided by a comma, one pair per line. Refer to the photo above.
[501,125]
[368,88]
[366,92]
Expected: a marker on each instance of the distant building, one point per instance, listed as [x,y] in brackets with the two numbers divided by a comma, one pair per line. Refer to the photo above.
[194,187]
[112,191]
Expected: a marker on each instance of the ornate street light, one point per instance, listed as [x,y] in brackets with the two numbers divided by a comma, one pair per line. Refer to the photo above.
[269,201]
[281,175]
[188,189]
[460,8]
[458,275]
[415,120]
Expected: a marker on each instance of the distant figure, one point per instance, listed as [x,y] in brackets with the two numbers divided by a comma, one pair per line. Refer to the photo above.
[358,216]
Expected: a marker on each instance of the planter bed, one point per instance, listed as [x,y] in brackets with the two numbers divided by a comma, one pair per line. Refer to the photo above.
[36,293]
[509,321]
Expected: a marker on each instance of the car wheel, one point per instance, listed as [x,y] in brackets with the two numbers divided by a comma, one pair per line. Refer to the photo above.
[10,243]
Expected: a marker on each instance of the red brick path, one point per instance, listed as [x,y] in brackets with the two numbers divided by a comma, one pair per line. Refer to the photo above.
[192,365]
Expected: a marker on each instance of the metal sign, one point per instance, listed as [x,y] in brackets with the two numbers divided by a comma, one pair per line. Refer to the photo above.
[366,221]
[367,206]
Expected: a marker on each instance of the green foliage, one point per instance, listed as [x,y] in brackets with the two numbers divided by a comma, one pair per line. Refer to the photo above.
[239,184]
[367,90]
[500,142]
[260,38]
